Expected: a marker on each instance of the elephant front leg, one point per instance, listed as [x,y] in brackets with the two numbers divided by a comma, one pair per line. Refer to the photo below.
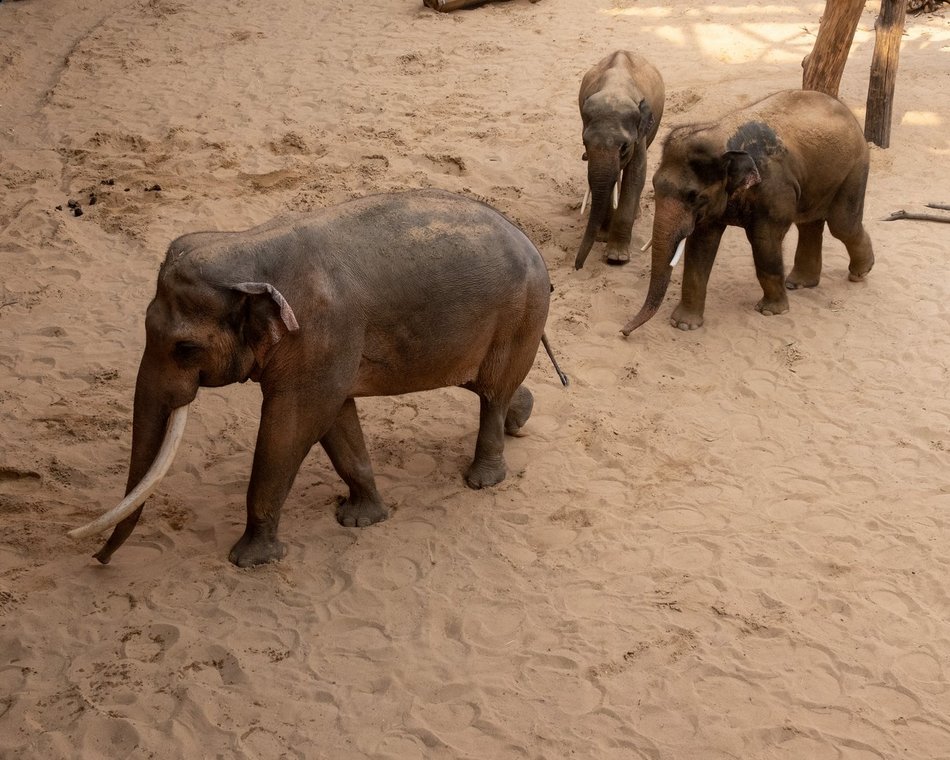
[488,466]
[283,440]
[346,448]
[628,208]
[766,240]
[701,248]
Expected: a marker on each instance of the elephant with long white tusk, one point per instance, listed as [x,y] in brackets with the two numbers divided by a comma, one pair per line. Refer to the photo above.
[384,295]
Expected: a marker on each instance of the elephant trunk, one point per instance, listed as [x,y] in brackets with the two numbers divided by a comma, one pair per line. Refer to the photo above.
[672,223]
[157,430]
[603,170]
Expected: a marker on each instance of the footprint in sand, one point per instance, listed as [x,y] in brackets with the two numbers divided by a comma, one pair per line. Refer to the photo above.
[446,164]
[151,644]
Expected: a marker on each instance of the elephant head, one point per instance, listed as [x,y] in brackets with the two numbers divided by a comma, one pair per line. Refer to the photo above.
[212,322]
[692,186]
[613,129]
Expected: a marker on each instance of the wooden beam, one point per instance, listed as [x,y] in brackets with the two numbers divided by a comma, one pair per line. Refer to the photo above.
[824,65]
[889,28]
[445,6]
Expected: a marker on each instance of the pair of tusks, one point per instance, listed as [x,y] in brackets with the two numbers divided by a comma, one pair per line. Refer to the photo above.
[615,197]
[174,432]
[677,254]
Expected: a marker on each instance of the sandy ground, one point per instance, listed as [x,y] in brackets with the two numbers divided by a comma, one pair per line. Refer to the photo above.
[730,543]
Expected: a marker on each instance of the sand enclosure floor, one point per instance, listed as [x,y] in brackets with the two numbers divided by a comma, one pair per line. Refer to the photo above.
[730,543]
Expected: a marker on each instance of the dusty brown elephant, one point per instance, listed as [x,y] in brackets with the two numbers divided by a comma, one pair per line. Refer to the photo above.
[621,102]
[792,158]
[385,295]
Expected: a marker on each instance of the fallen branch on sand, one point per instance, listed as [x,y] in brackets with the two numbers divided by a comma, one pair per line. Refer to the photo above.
[444,6]
[924,6]
[901,214]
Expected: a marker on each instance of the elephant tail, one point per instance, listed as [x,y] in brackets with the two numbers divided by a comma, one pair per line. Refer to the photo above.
[547,347]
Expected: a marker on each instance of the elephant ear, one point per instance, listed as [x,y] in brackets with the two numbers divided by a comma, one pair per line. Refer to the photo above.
[646,119]
[265,318]
[741,171]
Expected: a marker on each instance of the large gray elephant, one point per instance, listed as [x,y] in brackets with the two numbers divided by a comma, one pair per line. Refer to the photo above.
[795,157]
[384,295]
[621,102]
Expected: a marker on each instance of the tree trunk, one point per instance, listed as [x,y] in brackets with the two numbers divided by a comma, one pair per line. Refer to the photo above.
[824,66]
[887,48]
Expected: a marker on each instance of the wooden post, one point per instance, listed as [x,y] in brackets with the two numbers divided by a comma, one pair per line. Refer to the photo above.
[889,28]
[824,66]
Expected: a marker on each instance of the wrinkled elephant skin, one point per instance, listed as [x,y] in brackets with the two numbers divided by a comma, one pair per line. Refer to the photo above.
[792,158]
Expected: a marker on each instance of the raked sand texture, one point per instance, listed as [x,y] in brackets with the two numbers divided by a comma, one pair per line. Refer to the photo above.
[728,543]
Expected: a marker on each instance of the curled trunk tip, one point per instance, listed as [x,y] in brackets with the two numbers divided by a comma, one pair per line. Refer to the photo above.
[644,315]
[660,274]
[659,282]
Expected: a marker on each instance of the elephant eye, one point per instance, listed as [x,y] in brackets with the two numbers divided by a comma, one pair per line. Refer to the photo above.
[186,350]
[625,148]
[691,196]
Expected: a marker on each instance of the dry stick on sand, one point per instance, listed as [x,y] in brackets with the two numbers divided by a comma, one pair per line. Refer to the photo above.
[445,6]
[901,214]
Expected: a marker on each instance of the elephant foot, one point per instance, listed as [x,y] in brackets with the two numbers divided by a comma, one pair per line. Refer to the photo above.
[860,274]
[684,319]
[797,280]
[253,548]
[519,410]
[360,513]
[618,255]
[772,307]
[485,474]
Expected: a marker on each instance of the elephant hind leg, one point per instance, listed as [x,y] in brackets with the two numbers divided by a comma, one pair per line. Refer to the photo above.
[807,269]
[500,411]
[845,223]
[488,466]
[860,250]
[519,410]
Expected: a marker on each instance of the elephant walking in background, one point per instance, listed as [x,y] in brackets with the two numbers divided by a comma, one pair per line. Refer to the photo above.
[795,157]
[384,295]
[621,103]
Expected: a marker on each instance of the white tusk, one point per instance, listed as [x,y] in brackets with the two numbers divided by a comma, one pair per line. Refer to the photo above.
[163,460]
[646,245]
[584,202]
[678,253]
[616,195]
